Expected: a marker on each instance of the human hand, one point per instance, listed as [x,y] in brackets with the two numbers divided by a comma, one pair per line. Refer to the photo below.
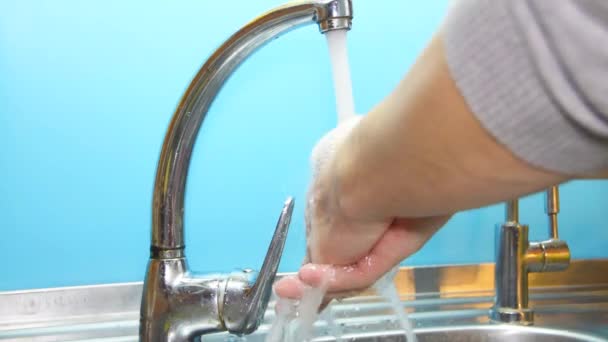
[349,253]
[400,239]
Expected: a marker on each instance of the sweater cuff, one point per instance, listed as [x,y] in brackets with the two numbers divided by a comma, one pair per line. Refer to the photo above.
[489,60]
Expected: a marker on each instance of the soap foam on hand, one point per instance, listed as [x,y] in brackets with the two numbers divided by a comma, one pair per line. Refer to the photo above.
[322,155]
[295,319]
[326,147]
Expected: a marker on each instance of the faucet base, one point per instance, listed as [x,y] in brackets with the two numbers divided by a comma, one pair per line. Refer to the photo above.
[512,316]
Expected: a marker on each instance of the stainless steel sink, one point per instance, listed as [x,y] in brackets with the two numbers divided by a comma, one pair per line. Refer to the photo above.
[477,334]
[367,319]
[446,303]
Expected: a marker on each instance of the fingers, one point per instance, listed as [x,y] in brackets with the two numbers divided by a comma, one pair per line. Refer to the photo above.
[289,287]
[293,286]
[401,240]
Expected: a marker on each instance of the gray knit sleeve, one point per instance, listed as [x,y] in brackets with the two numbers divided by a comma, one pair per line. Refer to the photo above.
[535,74]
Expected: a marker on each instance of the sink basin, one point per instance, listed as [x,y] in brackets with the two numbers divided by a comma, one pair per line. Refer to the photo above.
[472,333]
[467,333]
[368,320]
[477,334]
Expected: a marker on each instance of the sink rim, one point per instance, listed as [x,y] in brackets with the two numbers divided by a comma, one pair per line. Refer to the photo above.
[437,297]
[508,328]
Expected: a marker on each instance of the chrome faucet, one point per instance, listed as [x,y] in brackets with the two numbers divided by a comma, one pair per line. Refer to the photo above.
[177,305]
[516,257]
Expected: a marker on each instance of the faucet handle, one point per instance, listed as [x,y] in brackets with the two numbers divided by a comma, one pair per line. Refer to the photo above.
[245,297]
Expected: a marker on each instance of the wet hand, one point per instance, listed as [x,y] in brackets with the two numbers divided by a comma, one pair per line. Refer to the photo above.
[349,254]
[400,239]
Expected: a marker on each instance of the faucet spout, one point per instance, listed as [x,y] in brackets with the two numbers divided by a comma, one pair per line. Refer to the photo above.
[176,305]
[172,171]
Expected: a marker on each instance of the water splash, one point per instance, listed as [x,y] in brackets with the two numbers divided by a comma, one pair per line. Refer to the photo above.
[295,319]
[334,329]
[386,288]
[286,312]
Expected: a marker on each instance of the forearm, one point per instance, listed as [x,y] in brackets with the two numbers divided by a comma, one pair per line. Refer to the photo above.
[509,100]
[421,152]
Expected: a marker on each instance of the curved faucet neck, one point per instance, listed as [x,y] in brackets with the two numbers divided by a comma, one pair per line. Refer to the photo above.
[177,305]
[172,171]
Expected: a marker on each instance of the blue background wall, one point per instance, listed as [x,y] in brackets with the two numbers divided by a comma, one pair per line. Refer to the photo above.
[87,90]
